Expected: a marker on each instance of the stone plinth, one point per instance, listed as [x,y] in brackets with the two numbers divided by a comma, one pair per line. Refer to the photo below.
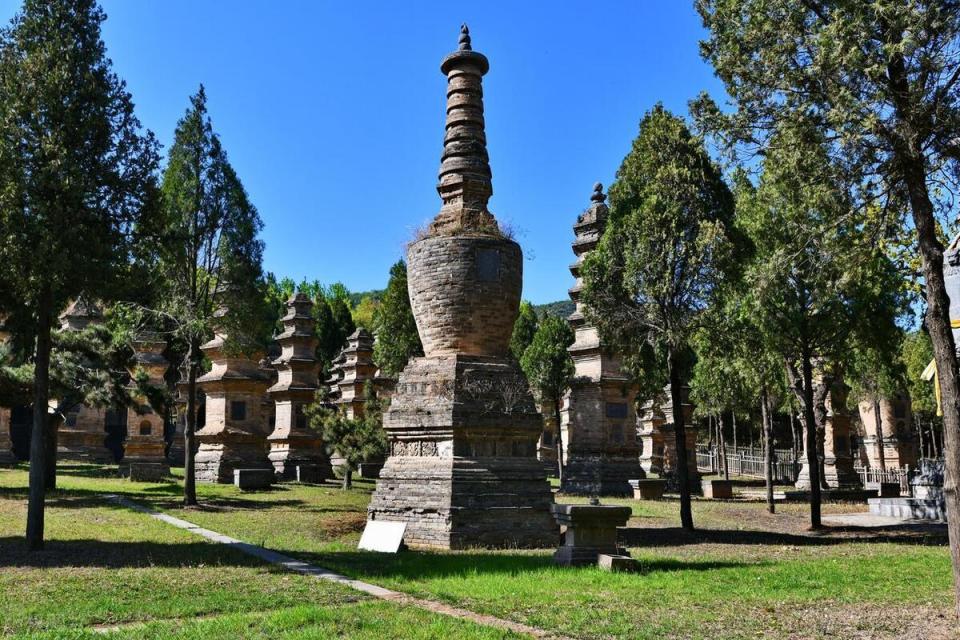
[648,488]
[251,479]
[148,471]
[293,443]
[717,489]
[598,420]
[235,432]
[145,442]
[899,441]
[462,425]
[590,530]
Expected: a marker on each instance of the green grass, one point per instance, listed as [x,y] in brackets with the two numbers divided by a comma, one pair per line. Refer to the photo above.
[744,574]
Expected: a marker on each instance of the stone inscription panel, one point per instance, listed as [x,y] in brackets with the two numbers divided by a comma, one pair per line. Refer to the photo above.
[488,265]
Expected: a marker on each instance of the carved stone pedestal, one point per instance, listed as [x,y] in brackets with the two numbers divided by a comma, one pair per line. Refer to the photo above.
[462,469]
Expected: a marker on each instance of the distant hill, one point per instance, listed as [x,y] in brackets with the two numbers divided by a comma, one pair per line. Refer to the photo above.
[560,308]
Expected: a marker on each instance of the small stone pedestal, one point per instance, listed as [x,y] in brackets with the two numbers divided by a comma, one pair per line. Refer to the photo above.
[717,489]
[648,488]
[250,479]
[591,530]
[148,471]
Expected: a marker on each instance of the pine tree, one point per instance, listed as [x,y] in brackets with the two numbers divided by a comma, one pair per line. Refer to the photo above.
[210,260]
[395,326]
[77,179]
[549,367]
[661,259]
[524,328]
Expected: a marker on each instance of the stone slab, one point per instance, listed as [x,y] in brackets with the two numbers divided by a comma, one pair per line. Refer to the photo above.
[369,470]
[717,489]
[251,479]
[382,536]
[617,563]
[309,473]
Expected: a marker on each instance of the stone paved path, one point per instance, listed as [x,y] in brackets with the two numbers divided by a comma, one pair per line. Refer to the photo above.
[292,564]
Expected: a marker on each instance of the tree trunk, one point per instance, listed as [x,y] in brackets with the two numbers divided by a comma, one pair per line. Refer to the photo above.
[881,454]
[813,458]
[767,421]
[559,441]
[680,436]
[190,430]
[41,394]
[347,478]
[733,418]
[797,435]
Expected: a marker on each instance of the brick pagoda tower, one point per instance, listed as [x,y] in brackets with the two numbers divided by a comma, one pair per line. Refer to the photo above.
[658,440]
[234,436]
[462,425]
[599,417]
[145,442]
[292,442]
[83,434]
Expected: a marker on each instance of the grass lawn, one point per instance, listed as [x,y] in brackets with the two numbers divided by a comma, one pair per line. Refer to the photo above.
[745,574]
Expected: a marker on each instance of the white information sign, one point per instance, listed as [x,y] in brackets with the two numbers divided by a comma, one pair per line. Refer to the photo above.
[382,536]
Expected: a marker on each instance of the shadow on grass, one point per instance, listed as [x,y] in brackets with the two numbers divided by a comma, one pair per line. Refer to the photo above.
[676,536]
[86,552]
[417,565]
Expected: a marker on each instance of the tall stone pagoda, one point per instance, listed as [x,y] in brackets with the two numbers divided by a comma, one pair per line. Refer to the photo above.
[235,433]
[658,439]
[462,425]
[6,443]
[145,441]
[292,442]
[896,446]
[598,422]
[83,434]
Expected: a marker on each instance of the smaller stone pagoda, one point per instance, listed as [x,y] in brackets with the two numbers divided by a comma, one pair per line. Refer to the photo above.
[145,441]
[598,419]
[83,434]
[235,433]
[356,368]
[897,446]
[658,440]
[292,442]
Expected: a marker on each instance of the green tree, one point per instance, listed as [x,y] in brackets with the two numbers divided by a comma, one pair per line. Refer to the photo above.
[356,439]
[881,80]
[397,337]
[816,282]
[524,328]
[342,320]
[364,313]
[209,262]
[549,367]
[916,352]
[77,176]
[661,258]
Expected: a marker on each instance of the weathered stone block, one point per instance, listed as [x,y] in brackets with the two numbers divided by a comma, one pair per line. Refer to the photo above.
[251,479]
[369,470]
[648,488]
[617,563]
[591,529]
[148,471]
[309,473]
[886,489]
[717,489]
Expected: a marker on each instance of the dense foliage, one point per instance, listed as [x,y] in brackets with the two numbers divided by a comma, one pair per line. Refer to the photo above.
[395,326]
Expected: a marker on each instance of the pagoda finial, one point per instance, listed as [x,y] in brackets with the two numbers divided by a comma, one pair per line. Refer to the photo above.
[598,194]
[464,180]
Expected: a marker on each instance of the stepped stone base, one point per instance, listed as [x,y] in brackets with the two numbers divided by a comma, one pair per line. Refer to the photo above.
[909,508]
[462,470]
[216,461]
[600,475]
[285,460]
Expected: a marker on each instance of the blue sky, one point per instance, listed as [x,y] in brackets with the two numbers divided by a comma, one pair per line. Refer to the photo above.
[332,112]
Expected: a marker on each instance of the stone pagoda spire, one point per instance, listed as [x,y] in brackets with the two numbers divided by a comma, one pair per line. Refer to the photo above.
[145,442]
[462,425]
[356,369]
[293,444]
[598,418]
[464,180]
